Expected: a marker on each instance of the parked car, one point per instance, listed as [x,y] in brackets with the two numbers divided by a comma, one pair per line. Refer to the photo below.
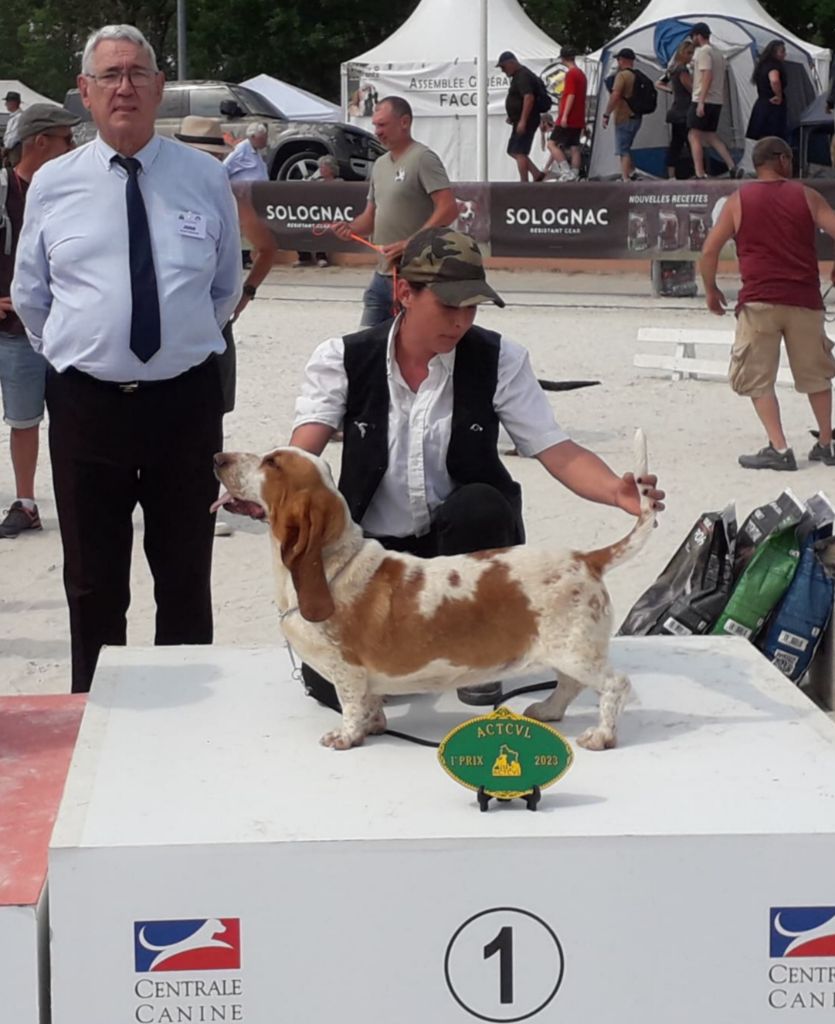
[294,147]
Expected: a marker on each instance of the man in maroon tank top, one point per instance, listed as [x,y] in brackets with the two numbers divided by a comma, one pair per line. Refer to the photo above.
[774,221]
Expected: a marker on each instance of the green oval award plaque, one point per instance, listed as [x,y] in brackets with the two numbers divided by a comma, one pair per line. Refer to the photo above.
[505,755]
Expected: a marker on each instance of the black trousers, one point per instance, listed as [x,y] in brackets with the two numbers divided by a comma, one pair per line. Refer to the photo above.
[112,449]
[474,517]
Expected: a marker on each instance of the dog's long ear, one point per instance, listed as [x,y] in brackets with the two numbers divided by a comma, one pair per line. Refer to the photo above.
[301,530]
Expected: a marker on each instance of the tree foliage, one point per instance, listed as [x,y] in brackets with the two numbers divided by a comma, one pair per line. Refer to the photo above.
[300,41]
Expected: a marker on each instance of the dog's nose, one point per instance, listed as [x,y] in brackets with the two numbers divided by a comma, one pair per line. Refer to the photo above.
[222,459]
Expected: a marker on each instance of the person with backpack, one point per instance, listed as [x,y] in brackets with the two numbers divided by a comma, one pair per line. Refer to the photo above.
[632,96]
[527,98]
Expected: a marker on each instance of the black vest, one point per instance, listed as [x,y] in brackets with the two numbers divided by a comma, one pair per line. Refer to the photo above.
[472,456]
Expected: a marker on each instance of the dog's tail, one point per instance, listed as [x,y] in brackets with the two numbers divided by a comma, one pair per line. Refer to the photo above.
[604,559]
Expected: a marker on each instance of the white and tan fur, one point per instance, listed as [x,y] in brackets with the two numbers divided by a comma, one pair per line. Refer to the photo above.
[377,622]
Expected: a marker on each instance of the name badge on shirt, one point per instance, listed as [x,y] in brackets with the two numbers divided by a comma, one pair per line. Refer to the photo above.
[192,225]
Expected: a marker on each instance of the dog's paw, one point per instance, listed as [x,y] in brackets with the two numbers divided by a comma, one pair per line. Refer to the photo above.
[539,711]
[597,739]
[338,739]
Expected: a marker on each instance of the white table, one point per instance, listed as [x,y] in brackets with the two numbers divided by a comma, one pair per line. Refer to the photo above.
[367,887]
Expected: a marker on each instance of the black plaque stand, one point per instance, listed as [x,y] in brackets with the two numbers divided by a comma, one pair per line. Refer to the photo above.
[531,799]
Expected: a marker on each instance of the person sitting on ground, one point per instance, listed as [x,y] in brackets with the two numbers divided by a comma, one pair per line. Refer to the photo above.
[775,222]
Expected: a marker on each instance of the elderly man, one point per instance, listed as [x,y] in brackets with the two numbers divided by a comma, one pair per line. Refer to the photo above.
[12,102]
[127,269]
[775,222]
[409,191]
[246,162]
[43,133]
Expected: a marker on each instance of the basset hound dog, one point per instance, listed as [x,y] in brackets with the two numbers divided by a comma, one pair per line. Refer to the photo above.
[377,622]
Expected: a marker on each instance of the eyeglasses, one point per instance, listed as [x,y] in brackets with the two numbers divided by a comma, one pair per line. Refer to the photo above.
[139,78]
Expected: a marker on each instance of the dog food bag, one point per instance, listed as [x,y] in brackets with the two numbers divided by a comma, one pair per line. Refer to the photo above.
[786,510]
[694,587]
[765,579]
[797,626]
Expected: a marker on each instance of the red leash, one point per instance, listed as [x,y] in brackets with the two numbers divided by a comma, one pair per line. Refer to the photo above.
[323,229]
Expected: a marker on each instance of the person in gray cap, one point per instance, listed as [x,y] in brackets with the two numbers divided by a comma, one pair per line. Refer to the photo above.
[44,132]
[12,101]
[421,399]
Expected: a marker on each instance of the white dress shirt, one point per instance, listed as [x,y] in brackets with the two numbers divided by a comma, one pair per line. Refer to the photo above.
[10,134]
[420,424]
[72,287]
[245,163]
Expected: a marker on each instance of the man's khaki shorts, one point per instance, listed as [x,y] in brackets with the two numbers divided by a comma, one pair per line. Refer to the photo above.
[755,357]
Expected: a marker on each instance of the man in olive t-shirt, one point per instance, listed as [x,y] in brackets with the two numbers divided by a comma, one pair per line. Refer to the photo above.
[409,191]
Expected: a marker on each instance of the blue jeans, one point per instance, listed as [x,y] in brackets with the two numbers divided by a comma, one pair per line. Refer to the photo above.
[22,380]
[377,301]
[625,135]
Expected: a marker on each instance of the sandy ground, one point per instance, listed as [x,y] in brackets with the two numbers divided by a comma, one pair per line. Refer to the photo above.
[575,326]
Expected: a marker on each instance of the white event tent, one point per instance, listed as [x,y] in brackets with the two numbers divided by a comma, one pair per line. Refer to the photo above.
[298,104]
[432,61]
[741,30]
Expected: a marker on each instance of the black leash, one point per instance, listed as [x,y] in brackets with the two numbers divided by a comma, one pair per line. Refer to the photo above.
[531,688]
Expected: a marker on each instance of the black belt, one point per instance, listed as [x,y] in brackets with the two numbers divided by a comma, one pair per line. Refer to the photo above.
[130,387]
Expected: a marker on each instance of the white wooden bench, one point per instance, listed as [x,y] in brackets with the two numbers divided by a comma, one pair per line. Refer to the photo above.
[683,362]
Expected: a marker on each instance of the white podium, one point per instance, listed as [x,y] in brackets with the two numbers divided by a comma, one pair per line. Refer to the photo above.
[213,863]
[37,735]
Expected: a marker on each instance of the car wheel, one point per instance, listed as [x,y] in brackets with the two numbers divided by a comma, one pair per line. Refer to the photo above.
[300,166]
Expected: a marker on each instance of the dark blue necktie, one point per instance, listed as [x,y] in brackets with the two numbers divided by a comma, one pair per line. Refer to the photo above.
[144,317]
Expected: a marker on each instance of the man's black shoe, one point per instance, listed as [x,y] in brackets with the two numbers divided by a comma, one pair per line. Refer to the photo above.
[769,458]
[824,453]
[488,694]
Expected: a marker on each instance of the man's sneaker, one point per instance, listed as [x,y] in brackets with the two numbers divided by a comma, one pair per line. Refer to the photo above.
[769,458]
[824,453]
[736,172]
[18,519]
[479,696]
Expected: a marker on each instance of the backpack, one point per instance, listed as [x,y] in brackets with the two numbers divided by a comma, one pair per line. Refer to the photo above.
[5,220]
[644,98]
[542,101]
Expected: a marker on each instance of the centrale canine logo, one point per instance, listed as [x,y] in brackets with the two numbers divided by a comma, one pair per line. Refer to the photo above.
[802,932]
[204,944]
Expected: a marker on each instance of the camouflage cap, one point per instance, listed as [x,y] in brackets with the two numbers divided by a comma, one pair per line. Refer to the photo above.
[449,264]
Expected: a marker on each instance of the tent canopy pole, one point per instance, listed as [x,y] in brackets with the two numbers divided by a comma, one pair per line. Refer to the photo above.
[481,122]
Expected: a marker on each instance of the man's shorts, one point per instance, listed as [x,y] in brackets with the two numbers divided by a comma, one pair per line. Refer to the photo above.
[520,145]
[22,381]
[755,356]
[565,138]
[625,135]
[709,122]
